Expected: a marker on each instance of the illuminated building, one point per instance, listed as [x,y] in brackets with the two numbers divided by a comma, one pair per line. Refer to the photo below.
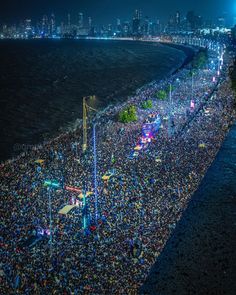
[90,23]
[146,26]
[81,21]
[52,25]
[136,29]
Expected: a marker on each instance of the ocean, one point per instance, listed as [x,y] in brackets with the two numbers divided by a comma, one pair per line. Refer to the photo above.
[42,82]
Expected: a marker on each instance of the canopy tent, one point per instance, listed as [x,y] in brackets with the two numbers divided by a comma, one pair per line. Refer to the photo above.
[202,145]
[82,195]
[39,161]
[138,148]
[65,210]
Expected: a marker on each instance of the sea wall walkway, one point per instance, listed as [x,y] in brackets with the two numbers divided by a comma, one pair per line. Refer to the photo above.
[200,256]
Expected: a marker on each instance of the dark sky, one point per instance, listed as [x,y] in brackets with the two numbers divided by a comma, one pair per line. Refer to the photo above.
[105,11]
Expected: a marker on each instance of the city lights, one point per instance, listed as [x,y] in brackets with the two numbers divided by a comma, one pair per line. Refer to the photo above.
[132,192]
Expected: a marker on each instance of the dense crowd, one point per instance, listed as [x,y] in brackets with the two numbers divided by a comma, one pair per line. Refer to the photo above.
[138,207]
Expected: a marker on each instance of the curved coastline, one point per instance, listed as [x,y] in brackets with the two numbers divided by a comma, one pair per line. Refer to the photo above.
[72,126]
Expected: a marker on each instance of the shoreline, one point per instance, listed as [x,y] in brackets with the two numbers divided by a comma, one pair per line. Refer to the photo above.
[73,126]
[144,201]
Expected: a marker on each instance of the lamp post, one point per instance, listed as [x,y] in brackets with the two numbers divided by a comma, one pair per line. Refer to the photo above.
[84,146]
[85,108]
[50,184]
[170,115]
[95,171]
[192,85]
[50,218]
[84,209]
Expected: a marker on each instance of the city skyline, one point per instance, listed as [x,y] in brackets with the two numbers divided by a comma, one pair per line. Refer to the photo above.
[138,25]
[106,11]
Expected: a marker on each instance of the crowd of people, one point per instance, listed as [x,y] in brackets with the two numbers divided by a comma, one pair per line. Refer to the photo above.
[138,207]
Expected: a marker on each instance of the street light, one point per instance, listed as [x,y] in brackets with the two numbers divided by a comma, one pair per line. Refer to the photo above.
[85,108]
[170,111]
[95,171]
[50,184]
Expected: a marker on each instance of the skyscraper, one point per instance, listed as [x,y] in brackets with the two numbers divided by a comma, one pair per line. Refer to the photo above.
[44,26]
[68,21]
[126,31]
[118,22]
[146,26]
[137,14]
[52,25]
[118,29]
[90,23]
[28,26]
[136,30]
[194,21]
[81,20]
[177,18]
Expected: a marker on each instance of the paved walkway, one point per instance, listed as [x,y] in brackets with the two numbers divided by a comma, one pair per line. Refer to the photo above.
[200,256]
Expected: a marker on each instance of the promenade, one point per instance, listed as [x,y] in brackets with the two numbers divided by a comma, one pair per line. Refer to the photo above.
[138,207]
[199,257]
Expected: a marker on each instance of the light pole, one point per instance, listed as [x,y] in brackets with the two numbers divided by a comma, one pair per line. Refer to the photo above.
[95,171]
[170,106]
[85,108]
[192,84]
[50,218]
[50,184]
[84,210]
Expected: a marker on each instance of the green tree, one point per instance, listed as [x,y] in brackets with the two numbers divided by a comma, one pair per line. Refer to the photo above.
[200,59]
[162,94]
[127,115]
[147,104]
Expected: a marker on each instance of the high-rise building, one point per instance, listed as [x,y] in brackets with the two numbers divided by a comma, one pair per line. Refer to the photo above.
[82,28]
[177,18]
[194,21]
[109,30]
[28,26]
[171,24]
[155,28]
[126,32]
[62,29]
[52,25]
[234,21]
[91,29]
[160,27]
[146,26]
[81,20]
[68,20]
[44,26]
[90,23]
[118,22]
[118,27]
[137,14]
[136,29]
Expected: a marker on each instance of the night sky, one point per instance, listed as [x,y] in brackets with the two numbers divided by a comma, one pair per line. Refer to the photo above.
[106,11]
